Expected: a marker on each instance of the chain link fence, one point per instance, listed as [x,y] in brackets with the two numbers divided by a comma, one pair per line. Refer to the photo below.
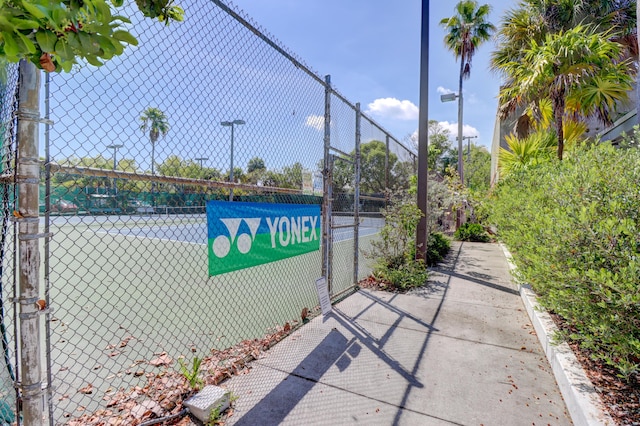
[208,109]
[8,242]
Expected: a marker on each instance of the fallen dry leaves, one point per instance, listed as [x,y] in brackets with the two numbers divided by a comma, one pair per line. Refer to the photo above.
[165,390]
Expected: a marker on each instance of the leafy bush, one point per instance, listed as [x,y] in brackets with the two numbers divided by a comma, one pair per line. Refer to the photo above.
[473,232]
[412,273]
[573,228]
[394,252]
[437,248]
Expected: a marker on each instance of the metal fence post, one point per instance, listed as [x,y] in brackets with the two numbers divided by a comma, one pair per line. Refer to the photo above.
[386,172]
[28,170]
[327,204]
[356,197]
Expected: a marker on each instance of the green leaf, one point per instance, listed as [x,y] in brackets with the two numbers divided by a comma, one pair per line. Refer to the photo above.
[117,46]
[47,40]
[93,60]
[125,37]
[121,18]
[26,43]
[59,16]
[106,45]
[88,44]
[117,3]
[5,25]
[10,45]
[64,51]
[24,24]
[33,10]
[73,41]
[66,66]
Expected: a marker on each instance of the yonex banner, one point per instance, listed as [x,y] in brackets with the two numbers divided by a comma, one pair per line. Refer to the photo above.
[242,235]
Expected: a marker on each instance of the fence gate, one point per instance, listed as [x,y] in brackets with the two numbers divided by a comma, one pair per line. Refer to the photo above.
[341,192]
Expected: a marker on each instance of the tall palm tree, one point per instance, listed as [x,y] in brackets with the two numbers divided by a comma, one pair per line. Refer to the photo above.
[532,20]
[465,32]
[578,68]
[156,123]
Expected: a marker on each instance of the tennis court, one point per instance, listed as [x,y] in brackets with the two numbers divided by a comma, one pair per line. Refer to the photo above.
[193,228]
[143,280]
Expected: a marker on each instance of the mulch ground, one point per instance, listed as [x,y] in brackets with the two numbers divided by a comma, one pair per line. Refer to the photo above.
[620,397]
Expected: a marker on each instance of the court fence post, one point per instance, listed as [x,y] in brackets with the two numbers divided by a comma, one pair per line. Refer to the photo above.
[356,196]
[327,183]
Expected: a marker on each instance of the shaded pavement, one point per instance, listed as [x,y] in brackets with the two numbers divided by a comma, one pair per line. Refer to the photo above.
[460,351]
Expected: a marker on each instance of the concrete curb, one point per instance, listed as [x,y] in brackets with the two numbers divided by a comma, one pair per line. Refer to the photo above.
[582,400]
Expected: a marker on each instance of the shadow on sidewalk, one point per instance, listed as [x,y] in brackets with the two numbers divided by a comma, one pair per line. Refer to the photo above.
[336,349]
[478,281]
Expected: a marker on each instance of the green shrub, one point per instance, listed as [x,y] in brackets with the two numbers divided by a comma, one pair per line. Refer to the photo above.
[437,248]
[573,228]
[394,252]
[412,273]
[473,232]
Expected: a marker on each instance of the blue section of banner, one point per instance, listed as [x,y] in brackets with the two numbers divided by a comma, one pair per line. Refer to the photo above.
[241,210]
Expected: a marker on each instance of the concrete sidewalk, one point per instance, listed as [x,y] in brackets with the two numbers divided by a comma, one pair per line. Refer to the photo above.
[460,351]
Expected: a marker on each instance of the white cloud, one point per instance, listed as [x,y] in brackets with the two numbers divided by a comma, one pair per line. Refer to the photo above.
[453,129]
[444,91]
[393,108]
[315,121]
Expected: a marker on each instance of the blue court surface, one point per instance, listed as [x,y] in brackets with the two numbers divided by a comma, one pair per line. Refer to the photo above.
[193,228]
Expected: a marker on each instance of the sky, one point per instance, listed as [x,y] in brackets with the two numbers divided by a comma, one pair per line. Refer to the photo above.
[371,49]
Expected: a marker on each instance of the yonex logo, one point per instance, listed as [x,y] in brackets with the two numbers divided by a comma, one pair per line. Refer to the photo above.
[246,234]
[283,230]
[222,244]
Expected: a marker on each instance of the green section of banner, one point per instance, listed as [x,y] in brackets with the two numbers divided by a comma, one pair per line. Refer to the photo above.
[244,252]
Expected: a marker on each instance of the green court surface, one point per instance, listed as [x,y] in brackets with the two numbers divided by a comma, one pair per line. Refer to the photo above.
[121,297]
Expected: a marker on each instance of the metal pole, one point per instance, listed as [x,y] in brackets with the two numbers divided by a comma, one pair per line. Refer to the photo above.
[356,197]
[460,155]
[47,242]
[115,148]
[386,172]
[422,233]
[115,164]
[232,124]
[468,138]
[28,176]
[231,170]
[326,184]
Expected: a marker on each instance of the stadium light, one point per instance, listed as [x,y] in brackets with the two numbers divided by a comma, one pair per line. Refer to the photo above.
[115,148]
[201,160]
[449,97]
[231,124]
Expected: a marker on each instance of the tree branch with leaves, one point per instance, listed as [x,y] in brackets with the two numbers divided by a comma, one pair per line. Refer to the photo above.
[55,34]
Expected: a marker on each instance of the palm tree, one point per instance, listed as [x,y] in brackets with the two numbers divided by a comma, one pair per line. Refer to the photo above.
[577,69]
[533,20]
[155,121]
[466,31]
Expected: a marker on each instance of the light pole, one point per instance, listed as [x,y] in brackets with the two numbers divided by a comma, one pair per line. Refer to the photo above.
[448,98]
[468,138]
[231,124]
[115,148]
[201,160]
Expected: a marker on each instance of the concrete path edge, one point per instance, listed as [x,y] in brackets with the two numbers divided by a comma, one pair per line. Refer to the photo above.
[580,395]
